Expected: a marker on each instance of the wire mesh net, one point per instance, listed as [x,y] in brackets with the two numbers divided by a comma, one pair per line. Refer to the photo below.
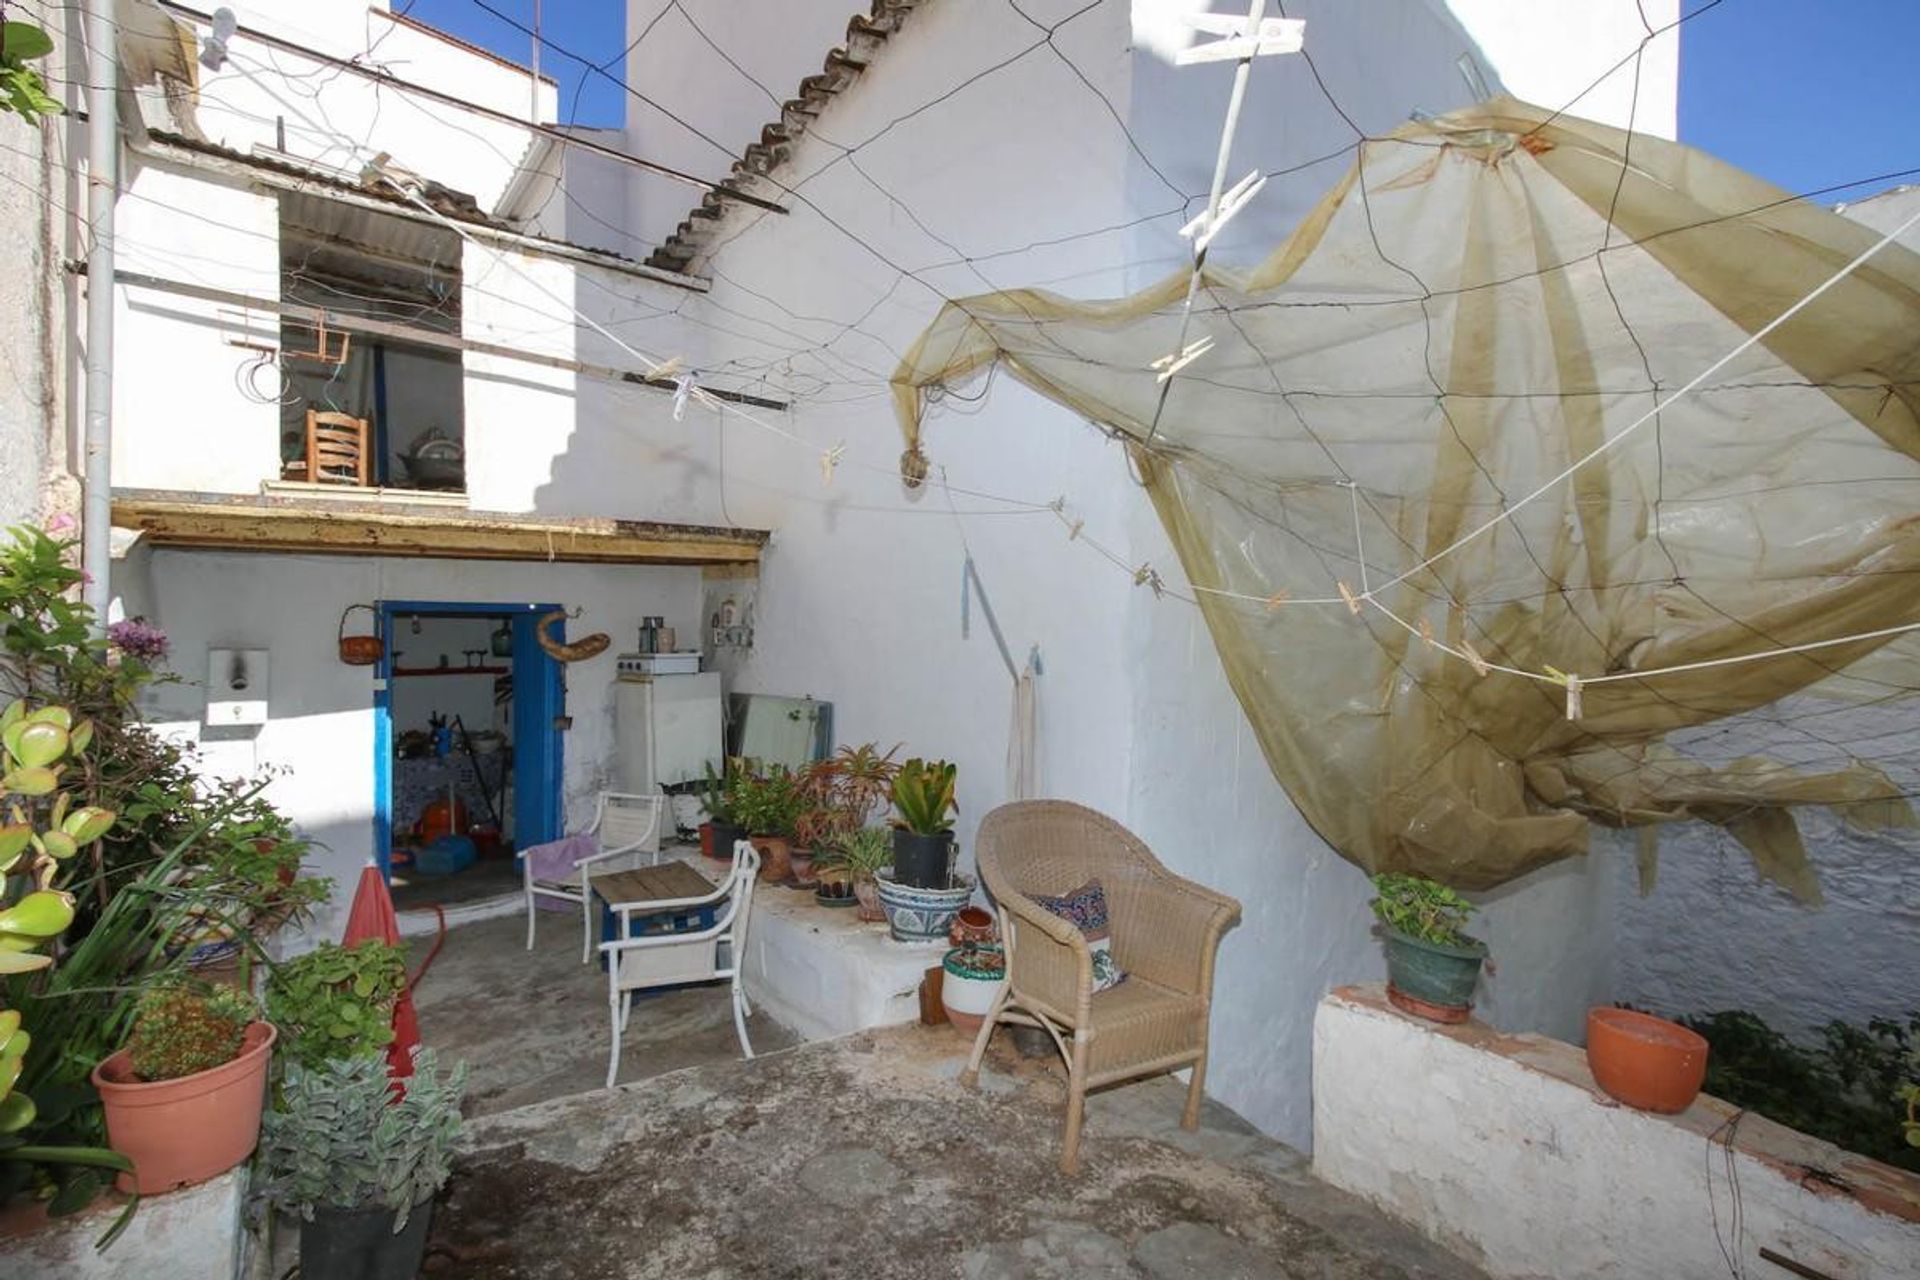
[1505,490]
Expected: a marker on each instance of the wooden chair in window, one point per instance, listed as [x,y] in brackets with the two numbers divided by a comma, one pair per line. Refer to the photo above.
[339,449]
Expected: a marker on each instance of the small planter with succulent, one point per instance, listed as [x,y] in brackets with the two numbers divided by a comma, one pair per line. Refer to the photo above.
[183,1099]
[1433,965]
[856,861]
[359,1168]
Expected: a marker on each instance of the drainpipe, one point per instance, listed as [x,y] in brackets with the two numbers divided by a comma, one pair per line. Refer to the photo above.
[103,163]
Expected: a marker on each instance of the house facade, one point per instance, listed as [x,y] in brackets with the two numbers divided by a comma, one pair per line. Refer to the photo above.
[364,217]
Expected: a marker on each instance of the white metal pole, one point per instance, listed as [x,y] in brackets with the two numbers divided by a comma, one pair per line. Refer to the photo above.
[103,165]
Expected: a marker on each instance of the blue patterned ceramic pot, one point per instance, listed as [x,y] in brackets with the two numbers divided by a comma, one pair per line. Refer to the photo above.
[920,915]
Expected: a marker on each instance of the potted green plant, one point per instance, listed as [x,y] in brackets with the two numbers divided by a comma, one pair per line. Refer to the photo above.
[358,1167]
[183,1099]
[336,1002]
[1432,963]
[837,796]
[860,855]
[767,804]
[722,827]
[923,799]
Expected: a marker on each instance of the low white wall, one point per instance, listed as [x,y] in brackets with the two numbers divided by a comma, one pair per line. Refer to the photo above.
[826,974]
[194,1232]
[319,734]
[1502,1148]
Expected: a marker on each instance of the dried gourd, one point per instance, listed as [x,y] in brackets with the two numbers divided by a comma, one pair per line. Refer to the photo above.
[579,650]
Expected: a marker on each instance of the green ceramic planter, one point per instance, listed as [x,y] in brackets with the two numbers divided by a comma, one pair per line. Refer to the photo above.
[1434,974]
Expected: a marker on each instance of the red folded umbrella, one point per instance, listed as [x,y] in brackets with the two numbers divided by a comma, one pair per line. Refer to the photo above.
[372,917]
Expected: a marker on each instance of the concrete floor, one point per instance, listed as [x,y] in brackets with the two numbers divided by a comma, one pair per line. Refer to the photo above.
[533,1025]
[863,1157]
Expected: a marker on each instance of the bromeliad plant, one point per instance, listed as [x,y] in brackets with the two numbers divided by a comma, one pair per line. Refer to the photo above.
[340,1141]
[1422,909]
[839,794]
[336,1002]
[923,796]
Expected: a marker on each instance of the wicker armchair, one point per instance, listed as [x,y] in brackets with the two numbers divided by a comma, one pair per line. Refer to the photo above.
[1165,931]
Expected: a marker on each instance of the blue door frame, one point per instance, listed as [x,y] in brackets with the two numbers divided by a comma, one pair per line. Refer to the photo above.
[538,703]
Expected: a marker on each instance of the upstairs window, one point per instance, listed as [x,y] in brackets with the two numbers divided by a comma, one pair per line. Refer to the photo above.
[363,409]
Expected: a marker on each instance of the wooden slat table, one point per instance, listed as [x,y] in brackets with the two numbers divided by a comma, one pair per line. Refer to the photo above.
[630,891]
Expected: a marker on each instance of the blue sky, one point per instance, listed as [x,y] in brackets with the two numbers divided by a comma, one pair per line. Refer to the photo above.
[1805,93]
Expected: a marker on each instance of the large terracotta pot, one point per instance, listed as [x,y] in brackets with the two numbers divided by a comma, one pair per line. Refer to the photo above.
[179,1132]
[972,925]
[1644,1061]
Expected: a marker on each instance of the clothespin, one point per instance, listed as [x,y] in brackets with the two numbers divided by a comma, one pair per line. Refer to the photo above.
[1073,530]
[668,368]
[1572,685]
[1141,575]
[1243,39]
[1153,580]
[829,459]
[1058,505]
[1473,656]
[682,388]
[1353,601]
[1208,224]
[1170,365]
[1426,632]
[1277,599]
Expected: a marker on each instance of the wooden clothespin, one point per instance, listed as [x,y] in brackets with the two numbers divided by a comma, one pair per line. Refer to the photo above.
[1167,366]
[1073,530]
[1426,632]
[1473,656]
[1353,601]
[1243,39]
[1571,683]
[829,459]
[1277,599]
[1208,224]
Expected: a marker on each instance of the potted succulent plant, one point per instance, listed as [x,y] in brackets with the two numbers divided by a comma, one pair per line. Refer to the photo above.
[1432,963]
[360,1168]
[861,855]
[923,799]
[183,1099]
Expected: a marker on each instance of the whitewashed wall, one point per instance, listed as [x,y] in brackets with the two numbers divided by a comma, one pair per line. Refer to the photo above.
[860,601]
[320,729]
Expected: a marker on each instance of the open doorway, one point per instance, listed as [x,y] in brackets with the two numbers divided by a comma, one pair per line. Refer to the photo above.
[467,747]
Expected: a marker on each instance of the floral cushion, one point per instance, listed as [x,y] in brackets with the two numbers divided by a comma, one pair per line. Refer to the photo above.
[1086,909]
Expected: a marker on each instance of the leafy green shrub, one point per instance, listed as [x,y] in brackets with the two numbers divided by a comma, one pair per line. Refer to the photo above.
[1850,1089]
[1422,909]
[178,1032]
[766,804]
[339,1140]
[336,1002]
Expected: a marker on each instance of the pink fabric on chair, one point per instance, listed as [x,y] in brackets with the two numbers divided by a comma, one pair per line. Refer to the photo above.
[556,860]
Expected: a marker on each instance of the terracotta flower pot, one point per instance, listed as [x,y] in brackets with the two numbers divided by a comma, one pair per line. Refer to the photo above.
[1644,1061]
[179,1132]
[776,857]
[972,925]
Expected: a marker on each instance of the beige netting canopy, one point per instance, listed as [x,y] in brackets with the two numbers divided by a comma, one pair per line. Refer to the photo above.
[1484,300]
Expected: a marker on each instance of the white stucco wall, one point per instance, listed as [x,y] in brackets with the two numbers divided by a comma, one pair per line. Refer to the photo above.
[319,737]
[860,600]
[1502,1148]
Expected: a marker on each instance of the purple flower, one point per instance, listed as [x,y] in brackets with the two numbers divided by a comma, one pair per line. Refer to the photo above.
[61,523]
[138,638]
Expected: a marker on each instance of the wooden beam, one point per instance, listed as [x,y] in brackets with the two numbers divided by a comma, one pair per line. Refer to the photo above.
[217,522]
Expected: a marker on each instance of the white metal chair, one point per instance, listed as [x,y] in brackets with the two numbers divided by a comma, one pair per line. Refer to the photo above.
[669,959]
[624,826]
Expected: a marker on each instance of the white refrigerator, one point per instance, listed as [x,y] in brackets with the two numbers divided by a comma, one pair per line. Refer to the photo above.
[666,730]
